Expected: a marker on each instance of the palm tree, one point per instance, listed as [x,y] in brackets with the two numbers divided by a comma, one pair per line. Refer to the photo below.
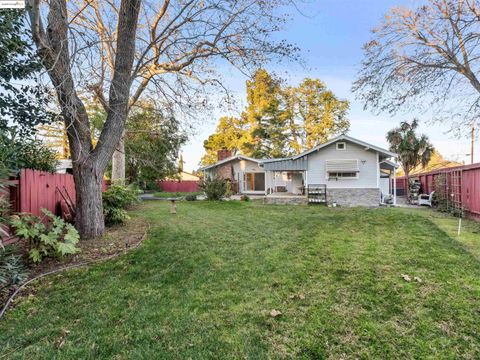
[412,149]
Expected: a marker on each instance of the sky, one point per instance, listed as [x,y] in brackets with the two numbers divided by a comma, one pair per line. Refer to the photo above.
[330,34]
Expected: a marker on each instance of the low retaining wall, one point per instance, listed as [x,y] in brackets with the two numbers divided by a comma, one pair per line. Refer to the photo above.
[354,197]
[286,200]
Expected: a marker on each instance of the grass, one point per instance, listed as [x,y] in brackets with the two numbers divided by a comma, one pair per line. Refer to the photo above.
[162,194]
[204,283]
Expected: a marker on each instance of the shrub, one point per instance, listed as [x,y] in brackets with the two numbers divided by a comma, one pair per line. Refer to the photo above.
[191,197]
[214,188]
[57,238]
[12,269]
[116,199]
[244,198]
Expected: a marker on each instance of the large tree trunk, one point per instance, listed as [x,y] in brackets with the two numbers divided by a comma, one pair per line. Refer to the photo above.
[88,186]
[89,163]
[118,162]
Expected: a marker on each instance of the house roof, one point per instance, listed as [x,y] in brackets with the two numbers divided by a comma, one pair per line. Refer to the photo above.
[295,157]
[347,138]
[231,158]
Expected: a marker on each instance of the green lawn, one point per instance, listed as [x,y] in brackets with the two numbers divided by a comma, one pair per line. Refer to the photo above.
[162,194]
[204,283]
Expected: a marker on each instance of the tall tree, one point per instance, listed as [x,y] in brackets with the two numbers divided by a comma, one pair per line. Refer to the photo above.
[318,113]
[412,149]
[152,143]
[178,41]
[24,101]
[232,134]
[120,59]
[264,115]
[280,120]
[425,58]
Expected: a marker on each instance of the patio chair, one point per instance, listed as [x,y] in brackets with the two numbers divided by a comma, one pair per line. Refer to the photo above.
[425,199]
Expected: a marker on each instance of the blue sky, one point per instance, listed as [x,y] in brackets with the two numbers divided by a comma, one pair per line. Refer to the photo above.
[331,39]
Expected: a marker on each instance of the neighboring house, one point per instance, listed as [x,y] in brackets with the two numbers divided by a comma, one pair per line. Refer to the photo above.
[350,172]
[64,166]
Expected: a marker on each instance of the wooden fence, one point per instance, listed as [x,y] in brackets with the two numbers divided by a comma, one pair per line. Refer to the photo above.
[179,186]
[36,190]
[460,183]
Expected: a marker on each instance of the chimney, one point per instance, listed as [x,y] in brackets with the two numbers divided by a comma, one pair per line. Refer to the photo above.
[223,154]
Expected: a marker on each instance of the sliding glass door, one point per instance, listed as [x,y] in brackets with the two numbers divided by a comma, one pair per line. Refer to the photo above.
[254,181]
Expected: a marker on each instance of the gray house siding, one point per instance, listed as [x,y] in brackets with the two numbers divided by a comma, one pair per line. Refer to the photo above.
[367,164]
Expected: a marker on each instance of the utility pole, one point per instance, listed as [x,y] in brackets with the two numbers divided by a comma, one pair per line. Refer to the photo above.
[473,144]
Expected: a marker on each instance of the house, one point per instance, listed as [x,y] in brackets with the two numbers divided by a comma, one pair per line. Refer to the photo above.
[345,171]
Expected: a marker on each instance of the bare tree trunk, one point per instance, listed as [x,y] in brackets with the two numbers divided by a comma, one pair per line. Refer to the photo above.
[118,162]
[88,185]
[88,163]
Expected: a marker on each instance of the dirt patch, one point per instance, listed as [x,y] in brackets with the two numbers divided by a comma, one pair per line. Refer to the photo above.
[117,239]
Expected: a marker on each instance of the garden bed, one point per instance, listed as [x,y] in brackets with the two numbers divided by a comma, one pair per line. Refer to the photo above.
[118,239]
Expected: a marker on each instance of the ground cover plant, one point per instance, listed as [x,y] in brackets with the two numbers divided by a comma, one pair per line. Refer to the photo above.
[245,280]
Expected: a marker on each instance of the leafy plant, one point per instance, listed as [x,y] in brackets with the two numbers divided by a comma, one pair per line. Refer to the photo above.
[56,238]
[12,269]
[244,198]
[115,202]
[21,152]
[214,188]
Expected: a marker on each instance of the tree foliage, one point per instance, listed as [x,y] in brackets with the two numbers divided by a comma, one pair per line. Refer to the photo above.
[412,149]
[427,59]
[24,101]
[152,144]
[280,120]
[20,152]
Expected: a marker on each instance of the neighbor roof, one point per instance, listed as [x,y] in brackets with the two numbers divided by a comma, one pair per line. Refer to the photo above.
[346,138]
[231,158]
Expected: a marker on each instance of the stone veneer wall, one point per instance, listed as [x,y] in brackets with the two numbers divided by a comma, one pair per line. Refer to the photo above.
[284,200]
[225,171]
[354,197]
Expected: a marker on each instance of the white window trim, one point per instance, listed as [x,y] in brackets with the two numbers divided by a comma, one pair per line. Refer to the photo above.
[342,178]
[344,146]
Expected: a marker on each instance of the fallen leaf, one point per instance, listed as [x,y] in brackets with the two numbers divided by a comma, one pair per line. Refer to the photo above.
[301,297]
[417,279]
[406,277]
[274,313]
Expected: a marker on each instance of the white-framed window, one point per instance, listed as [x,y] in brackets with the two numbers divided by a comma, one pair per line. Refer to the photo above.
[339,169]
[341,146]
[342,175]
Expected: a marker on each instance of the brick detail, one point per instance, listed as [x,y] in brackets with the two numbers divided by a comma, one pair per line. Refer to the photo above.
[223,154]
[225,171]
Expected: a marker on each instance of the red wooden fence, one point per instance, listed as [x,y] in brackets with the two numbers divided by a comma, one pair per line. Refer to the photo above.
[41,190]
[179,186]
[468,179]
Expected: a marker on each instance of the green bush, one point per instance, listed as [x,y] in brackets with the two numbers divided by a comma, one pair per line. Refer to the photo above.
[214,189]
[116,199]
[12,269]
[56,238]
[191,197]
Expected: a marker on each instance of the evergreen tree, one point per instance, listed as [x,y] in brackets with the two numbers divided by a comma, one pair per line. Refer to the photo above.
[280,120]
[264,116]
